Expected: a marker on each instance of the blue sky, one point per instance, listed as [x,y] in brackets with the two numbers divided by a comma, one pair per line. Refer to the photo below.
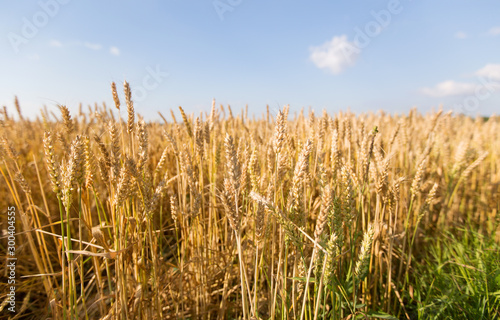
[334,55]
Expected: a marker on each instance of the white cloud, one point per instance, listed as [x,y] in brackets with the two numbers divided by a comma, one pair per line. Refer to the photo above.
[93,46]
[460,35]
[491,71]
[89,45]
[495,31]
[55,43]
[114,51]
[335,55]
[449,88]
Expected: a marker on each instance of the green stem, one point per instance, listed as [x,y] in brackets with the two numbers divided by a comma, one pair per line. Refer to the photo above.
[63,259]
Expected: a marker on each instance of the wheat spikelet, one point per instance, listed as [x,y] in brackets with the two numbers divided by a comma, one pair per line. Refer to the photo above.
[115,95]
[286,109]
[326,207]
[123,188]
[67,185]
[18,108]
[378,156]
[382,181]
[347,131]
[433,122]
[212,119]
[280,132]
[347,193]
[174,209]
[206,135]
[103,170]
[104,151]
[332,251]
[310,123]
[233,167]
[50,160]
[254,170]
[432,194]
[231,184]
[243,159]
[187,168]
[147,190]
[172,142]
[9,149]
[282,160]
[143,145]
[218,152]
[415,185]
[19,177]
[367,151]
[395,134]
[130,107]
[5,114]
[335,124]
[301,171]
[68,122]
[76,161]
[396,190]
[161,163]
[473,165]
[186,122]
[155,199]
[361,135]
[89,163]
[282,167]
[335,155]
[229,206]
[323,125]
[131,167]
[45,120]
[301,270]
[64,143]
[115,149]
[172,114]
[72,172]
[460,156]
[302,166]
[259,222]
[198,137]
[361,269]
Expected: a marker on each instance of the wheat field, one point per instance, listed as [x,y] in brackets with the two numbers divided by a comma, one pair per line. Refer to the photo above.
[307,215]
